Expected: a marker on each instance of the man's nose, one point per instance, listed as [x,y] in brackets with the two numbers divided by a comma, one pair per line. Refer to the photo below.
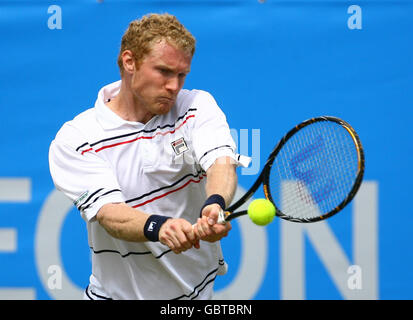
[173,84]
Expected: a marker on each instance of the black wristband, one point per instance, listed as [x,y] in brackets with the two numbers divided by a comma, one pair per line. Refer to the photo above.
[215,198]
[152,227]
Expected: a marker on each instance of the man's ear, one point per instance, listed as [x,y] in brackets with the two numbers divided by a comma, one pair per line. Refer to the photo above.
[128,61]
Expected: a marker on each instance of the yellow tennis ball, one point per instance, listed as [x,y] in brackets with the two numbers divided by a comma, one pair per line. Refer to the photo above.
[261,211]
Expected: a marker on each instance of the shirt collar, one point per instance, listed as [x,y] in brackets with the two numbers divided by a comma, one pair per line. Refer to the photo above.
[105,116]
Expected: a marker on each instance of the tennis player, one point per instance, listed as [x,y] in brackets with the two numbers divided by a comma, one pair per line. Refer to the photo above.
[149,167]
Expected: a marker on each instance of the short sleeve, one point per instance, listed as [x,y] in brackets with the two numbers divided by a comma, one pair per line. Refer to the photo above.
[81,175]
[211,134]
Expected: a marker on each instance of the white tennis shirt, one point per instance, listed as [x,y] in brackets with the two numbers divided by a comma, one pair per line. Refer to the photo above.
[158,167]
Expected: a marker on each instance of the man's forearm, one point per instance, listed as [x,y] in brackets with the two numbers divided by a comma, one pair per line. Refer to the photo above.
[122,221]
[125,223]
[222,179]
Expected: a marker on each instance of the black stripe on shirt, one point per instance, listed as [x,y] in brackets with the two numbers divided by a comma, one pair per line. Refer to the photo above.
[197,286]
[166,187]
[130,253]
[224,146]
[97,198]
[85,144]
[87,291]
[88,199]
[207,283]
[138,132]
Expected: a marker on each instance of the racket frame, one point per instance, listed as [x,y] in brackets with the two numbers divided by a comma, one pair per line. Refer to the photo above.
[263,178]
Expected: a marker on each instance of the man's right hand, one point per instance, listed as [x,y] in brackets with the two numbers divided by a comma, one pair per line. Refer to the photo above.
[178,235]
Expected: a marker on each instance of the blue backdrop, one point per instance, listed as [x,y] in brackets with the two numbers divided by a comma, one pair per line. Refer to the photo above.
[269,64]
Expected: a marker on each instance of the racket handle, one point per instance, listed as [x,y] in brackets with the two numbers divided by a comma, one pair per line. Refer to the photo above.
[221,217]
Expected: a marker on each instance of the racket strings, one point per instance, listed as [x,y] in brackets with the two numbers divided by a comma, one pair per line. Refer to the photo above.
[314,171]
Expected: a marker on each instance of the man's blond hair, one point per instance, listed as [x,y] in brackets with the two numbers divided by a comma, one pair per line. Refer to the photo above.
[143,33]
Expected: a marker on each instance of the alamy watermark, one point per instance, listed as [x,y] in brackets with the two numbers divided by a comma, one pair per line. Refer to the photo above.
[355,280]
[54,281]
[54,22]
[180,150]
[355,20]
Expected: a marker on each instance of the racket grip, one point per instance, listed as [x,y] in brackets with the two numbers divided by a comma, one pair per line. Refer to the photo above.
[221,217]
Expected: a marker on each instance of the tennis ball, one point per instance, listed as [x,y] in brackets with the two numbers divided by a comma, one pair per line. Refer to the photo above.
[261,211]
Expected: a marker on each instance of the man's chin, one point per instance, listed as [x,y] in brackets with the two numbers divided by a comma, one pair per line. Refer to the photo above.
[163,108]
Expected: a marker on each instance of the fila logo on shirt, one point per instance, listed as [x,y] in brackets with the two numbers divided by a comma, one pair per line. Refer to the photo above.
[179,146]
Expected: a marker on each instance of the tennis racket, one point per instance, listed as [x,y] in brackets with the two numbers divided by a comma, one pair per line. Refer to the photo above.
[313,172]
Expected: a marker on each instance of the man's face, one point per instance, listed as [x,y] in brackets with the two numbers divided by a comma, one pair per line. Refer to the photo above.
[159,78]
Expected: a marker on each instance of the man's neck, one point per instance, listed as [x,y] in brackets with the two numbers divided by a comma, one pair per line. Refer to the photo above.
[126,106]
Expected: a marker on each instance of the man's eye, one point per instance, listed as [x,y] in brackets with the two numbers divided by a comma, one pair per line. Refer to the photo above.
[165,71]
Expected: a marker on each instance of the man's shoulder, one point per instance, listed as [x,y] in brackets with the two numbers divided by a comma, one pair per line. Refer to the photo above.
[194,98]
[81,123]
[186,95]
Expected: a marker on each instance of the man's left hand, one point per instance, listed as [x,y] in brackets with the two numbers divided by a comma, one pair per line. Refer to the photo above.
[207,228]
